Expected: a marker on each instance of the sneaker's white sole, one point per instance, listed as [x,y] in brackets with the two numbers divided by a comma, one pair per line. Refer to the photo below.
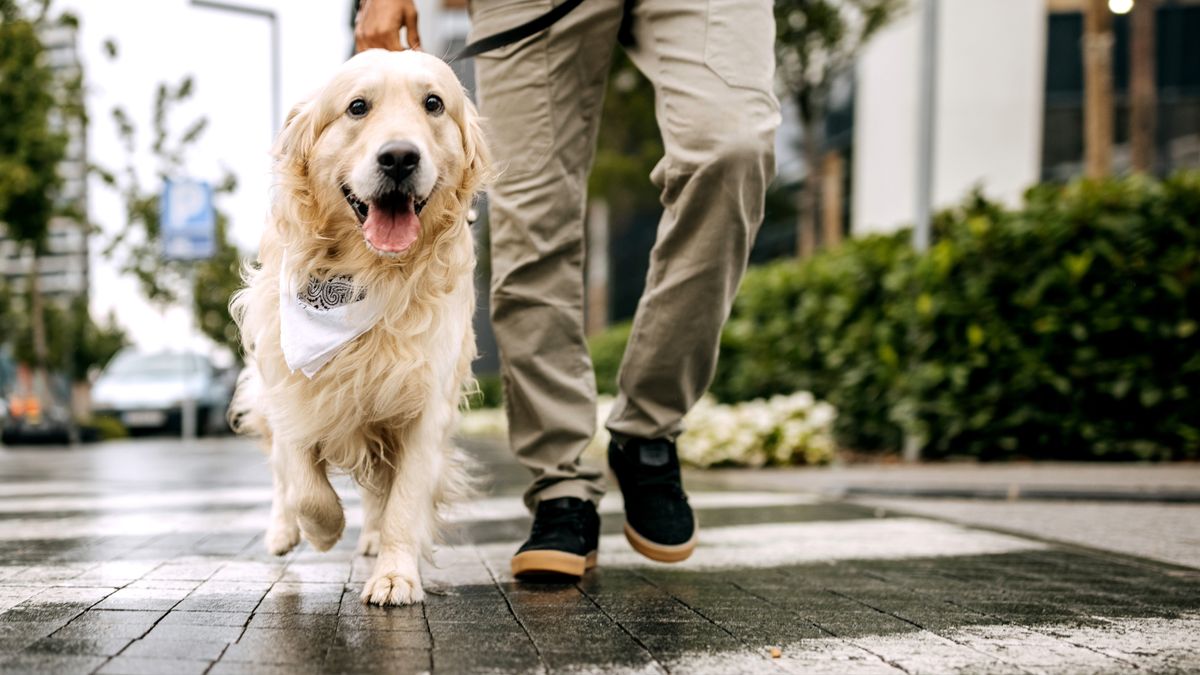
[661,552]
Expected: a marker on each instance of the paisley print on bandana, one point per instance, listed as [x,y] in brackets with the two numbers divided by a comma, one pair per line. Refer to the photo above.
[326,294]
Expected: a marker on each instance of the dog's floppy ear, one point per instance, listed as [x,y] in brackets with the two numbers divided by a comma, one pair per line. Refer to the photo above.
[475,150]
[299,134]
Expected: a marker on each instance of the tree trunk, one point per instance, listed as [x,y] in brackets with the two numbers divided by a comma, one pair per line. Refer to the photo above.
[1143,90]
[37,320]
[832,168]
[1098,88]
[806,222]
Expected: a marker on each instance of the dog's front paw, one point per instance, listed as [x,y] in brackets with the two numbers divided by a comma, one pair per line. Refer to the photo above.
[281,537]
[321,522]
[393,588]
[368,543]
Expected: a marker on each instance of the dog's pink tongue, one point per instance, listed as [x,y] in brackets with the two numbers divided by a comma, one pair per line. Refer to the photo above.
[391,230]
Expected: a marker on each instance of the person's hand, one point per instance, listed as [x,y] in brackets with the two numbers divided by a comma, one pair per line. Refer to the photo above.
[379,21]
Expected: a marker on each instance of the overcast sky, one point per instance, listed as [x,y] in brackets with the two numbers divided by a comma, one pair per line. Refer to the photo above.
[229,57]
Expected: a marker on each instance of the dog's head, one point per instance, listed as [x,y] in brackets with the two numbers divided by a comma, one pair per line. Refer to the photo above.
[389,152]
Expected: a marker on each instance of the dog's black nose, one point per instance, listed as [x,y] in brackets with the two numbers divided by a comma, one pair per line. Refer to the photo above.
[398,159]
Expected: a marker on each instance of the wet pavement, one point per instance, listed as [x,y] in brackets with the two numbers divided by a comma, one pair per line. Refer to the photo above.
[147,557]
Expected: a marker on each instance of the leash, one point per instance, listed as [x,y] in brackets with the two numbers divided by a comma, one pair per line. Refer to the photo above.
[517,33]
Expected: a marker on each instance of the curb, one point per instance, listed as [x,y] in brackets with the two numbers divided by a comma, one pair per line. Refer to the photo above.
[1018,493]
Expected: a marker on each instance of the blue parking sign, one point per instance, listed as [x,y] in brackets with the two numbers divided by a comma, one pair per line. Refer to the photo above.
[188,220]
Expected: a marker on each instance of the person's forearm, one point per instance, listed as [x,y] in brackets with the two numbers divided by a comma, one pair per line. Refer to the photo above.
[379,21]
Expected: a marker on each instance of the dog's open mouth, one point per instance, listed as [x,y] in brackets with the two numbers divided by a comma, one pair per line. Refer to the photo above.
[390,223]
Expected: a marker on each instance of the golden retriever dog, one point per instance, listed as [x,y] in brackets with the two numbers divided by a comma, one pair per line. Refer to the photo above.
[357,321]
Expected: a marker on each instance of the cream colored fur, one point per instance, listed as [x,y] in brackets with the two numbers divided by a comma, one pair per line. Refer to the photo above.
[384,407]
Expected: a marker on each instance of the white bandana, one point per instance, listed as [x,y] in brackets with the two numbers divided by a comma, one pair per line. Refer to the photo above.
[317,321]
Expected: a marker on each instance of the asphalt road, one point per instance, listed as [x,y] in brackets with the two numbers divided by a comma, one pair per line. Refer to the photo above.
[147,557]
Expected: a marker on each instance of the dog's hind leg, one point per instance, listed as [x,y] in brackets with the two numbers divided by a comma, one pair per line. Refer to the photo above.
[283,532]
[374,496]
[317,507]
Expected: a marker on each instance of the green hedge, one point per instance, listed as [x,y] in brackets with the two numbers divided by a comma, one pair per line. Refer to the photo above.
[607,348]
[1065,329]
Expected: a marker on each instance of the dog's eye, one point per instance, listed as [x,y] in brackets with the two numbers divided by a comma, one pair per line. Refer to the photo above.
[358,107]
[434,105]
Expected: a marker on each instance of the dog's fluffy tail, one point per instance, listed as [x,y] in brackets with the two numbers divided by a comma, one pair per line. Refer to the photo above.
[244,410]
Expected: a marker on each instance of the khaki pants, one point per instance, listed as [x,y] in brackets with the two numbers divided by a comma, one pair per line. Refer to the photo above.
[712,66]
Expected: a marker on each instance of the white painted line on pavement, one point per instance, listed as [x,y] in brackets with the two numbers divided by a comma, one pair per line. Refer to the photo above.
[121,514]
[779,544]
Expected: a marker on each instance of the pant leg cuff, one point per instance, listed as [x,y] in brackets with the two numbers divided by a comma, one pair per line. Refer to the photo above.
[589,491]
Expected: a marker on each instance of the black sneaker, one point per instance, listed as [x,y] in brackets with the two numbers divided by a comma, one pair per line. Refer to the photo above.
[565,536]
[658,520]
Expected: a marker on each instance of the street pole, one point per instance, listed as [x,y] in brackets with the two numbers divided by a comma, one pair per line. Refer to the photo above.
[270,16]
[926,113]
[926,118]
[188,422]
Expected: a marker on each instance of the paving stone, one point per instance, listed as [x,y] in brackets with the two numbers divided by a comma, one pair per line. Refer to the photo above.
[184,632]
[51,612]
[27,629]
[315,624]
[139,619]
[164,648]
[276,646]
[128,665]
[370,641]
[461,658]
[101,646]
[317,572]
[376,622]
[24,664]
[302,598]
[225,667]
[249,570]
[189,571]
[144,598]
[10,645]
[219,602]
[378,660]
[186,618]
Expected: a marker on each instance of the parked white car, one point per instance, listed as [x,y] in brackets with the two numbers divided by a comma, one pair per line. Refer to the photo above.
[147,392]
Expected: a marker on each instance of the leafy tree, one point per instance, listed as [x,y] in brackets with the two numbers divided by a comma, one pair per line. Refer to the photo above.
[40,103]
[817,41]
[75,342]
[216,281]
[30,151]
[139,243]
[6,309]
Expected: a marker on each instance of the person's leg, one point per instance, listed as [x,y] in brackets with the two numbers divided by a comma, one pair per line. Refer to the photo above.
[541,99]
[712,66]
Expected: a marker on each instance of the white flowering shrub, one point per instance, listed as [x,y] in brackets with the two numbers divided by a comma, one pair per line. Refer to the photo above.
[793,429]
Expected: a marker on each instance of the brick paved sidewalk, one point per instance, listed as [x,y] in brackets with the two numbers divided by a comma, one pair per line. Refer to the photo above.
[146,557]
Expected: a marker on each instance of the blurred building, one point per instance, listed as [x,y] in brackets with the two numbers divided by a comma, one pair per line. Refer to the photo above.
[1009,103]
[64,266]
